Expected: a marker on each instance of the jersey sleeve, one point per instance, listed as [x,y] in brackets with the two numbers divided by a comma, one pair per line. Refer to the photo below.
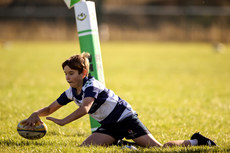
[65,97]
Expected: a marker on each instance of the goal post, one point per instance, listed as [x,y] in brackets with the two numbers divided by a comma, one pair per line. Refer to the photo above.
[87,29]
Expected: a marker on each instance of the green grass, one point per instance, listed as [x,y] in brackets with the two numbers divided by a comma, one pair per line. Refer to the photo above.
[176,88]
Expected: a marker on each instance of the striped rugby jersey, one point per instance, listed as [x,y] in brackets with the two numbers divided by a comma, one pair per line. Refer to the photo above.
[107,108]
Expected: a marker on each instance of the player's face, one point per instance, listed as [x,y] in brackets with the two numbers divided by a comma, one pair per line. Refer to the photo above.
[73,77]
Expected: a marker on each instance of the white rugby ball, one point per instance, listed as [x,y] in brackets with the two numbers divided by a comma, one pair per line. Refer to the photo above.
[38,132]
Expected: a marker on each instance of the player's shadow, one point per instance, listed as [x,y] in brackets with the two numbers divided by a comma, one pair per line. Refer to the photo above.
[10,142]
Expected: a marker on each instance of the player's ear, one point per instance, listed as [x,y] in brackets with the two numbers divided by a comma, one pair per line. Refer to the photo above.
[84,73]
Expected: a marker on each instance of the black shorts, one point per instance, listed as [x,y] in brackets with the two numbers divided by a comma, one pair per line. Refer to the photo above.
[130,128]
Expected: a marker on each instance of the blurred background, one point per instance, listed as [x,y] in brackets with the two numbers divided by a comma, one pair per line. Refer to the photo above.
[145,20]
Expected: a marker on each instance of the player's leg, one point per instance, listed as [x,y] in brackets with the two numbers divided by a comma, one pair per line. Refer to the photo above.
[184,143]
[147,141]
[134,129]
[196,139]
[98,139]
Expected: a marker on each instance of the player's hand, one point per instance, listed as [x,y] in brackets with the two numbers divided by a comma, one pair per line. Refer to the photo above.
[55,120]
[31,121]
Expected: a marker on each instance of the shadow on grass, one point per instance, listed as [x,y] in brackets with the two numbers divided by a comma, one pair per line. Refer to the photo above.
[196,149]
[10,142]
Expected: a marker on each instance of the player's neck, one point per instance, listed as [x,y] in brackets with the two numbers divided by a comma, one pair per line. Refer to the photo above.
[78,89]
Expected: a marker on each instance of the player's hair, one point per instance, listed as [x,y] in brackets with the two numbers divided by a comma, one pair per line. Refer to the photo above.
[78,62]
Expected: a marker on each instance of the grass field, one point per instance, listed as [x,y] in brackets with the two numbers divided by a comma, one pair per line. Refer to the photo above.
[176,88]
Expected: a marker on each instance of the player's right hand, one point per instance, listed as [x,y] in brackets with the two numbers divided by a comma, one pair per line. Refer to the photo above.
[31,121]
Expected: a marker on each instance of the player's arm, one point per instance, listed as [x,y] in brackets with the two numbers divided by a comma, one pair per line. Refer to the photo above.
[81,111]
[34,117]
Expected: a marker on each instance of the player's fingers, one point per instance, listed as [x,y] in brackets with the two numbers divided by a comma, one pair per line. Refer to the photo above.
[40,122]
[50,118]
[30,126]
[53,119]
[33,126]
[24,122]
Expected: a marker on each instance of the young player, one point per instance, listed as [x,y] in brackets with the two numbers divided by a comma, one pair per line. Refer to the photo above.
[118,119]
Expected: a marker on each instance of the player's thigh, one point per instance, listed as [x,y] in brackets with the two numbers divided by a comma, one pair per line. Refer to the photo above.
[147,141]
[98,139]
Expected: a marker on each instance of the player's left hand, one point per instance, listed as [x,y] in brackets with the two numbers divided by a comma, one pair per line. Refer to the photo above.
[55,120]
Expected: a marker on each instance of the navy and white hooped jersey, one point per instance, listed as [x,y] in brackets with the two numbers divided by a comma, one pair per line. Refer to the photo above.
[107,107]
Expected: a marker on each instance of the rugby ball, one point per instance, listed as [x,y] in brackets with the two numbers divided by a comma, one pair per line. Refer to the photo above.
[38,132]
